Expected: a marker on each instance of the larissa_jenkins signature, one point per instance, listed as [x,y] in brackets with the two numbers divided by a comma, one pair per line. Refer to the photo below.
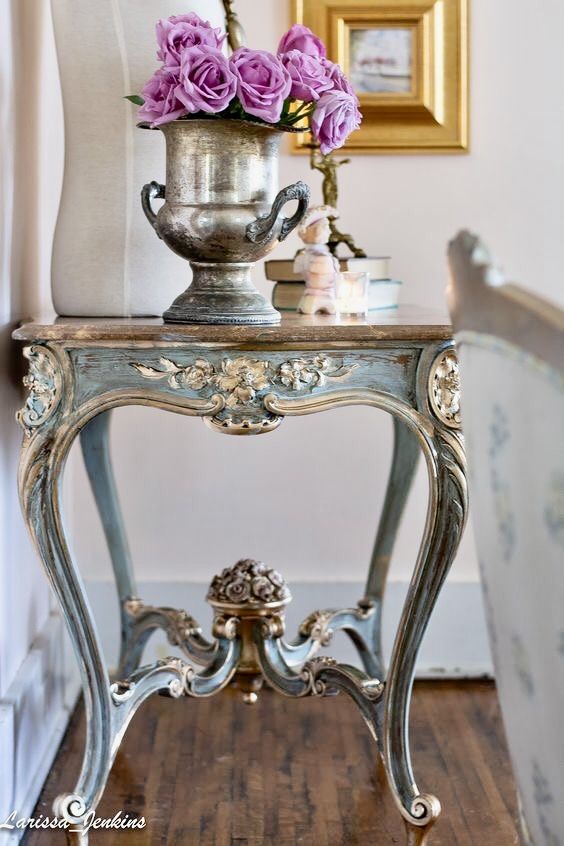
[119,821]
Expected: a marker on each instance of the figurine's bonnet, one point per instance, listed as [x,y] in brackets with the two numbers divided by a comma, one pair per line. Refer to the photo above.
[314,215]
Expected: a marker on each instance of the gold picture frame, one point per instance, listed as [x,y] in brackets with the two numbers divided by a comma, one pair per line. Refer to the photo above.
[408,62]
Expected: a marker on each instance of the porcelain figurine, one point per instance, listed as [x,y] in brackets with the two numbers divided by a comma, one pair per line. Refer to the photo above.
[316,264]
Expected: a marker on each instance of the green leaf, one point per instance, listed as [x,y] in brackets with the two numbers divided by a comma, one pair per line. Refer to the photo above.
[135,99]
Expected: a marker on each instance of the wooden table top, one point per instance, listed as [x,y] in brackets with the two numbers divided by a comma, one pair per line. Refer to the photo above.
[408,323]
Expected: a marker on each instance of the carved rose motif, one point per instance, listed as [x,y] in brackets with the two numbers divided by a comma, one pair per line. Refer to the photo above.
[238,590]
[263,588]
[248,582]
[199,375]
[241,378]
[295,375]
[300,373]
[444,389]
[276,578]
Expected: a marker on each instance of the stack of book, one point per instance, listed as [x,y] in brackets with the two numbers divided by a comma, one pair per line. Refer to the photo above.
[289,287]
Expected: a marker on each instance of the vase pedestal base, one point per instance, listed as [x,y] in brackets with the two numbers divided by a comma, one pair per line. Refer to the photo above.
[222,293]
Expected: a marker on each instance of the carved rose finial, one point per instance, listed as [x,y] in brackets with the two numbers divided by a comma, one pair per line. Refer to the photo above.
[248,582]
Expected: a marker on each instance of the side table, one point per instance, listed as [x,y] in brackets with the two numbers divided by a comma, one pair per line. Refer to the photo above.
[245,381]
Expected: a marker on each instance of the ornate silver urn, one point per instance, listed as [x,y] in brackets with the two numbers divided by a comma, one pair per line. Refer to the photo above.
[222,213]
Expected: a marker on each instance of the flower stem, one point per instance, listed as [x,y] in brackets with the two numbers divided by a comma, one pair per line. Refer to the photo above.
[296,117]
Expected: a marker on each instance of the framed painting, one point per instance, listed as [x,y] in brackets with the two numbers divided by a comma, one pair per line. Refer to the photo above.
[408,62]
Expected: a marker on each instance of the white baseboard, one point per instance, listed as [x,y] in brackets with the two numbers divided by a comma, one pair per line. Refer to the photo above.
[456,644]
[34,714]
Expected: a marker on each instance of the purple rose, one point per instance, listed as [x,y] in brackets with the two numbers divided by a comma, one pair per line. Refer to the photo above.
[337,78]
[207,83]
[309,77]
[161,103]
[178,32]
[301,38]
[336,115]
[263,83]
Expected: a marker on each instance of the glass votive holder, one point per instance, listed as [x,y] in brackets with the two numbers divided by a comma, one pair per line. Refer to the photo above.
[351,293]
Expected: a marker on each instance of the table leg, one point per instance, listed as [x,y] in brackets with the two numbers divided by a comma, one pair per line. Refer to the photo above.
[42,462]
[404,464]
[94,440]
[385,706]
[108,707]
[446,517]
[435,425]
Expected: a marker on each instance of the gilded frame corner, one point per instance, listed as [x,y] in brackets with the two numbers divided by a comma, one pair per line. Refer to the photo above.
[432,117]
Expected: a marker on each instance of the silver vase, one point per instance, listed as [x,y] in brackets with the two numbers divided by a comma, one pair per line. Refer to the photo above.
[222,213]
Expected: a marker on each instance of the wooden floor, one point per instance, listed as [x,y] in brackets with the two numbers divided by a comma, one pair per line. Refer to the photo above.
[285,772]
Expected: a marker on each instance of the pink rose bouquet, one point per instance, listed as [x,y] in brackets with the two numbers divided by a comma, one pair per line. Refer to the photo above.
[299,88]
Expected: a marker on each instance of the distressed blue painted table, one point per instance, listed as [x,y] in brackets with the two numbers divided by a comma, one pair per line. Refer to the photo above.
[245,381]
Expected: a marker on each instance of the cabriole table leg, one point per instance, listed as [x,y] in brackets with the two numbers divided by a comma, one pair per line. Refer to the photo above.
[45,447]
[445,522]
[442,443]
[95,443]
[404,464]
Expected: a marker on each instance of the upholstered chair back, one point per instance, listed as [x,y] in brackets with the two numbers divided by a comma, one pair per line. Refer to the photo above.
[511,348]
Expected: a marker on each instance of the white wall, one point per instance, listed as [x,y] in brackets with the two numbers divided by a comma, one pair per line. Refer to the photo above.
[15,297]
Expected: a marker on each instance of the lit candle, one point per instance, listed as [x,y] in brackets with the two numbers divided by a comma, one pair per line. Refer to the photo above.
[352,293]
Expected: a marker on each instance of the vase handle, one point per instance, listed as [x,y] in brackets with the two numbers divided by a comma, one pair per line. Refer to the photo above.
[151,191]
[260,230]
